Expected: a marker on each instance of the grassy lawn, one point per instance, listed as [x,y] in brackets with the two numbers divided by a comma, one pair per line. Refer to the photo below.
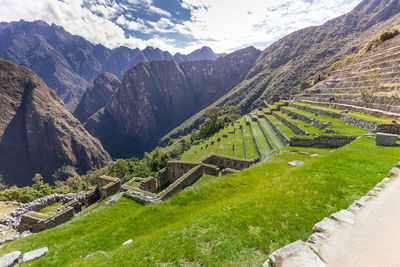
[301,124]
[234,220]
[337,125]
[354,114]
[239,150]
[52,209]
[260,139]
[248,143]
[276,143]
[282,127]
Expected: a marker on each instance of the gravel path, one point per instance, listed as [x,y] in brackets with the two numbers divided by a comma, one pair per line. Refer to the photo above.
[374,239]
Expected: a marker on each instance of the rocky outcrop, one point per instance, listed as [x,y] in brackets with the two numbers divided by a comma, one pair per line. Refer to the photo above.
[96,95]
[154,97]
[38,134]
[66,62]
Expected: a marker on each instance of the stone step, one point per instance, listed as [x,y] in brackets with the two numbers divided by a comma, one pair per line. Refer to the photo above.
[383,64]
[358,62]
[370,111]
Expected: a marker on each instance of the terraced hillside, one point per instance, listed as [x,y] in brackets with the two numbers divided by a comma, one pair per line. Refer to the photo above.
[241,218]
[262,131]
[369,83]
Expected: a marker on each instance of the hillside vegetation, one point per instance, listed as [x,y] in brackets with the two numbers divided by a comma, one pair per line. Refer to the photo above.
[238,219]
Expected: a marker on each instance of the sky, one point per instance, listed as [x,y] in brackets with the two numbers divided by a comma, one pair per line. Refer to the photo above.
[178,25]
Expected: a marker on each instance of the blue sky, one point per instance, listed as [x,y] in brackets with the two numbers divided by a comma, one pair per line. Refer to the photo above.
[179,25]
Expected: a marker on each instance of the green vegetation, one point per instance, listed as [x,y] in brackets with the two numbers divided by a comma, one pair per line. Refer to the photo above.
[383,36]
[301,124]
[52,209]
[238,219]
[260,139]
[276,143]
[282,127]
[248,141]
[6,209]
[354,114]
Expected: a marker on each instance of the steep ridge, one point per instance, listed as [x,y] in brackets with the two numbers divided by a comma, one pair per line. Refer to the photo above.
[368,83]
[96,95]
[298,56]
[38,134]
[66,62]
[156,96]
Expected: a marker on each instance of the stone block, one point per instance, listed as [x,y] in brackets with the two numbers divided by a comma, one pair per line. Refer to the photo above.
[34,254]
[385,139]
[295,254]
[10,259]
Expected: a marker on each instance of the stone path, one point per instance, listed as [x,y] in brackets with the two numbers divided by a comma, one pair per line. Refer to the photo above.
[374,239]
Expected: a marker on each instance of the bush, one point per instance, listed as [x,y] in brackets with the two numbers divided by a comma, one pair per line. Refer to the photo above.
[382,37]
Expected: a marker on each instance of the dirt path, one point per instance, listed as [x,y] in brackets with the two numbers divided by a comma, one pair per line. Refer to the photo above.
[374,239]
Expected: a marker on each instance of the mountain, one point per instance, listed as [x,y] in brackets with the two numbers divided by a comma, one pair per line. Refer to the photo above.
[295,58]
[156,96]
[66,62]
[37,132]
[199,54]
[96,95]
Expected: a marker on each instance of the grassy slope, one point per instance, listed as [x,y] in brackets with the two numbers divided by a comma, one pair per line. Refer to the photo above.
[271,135]
[233,220]
[260,139]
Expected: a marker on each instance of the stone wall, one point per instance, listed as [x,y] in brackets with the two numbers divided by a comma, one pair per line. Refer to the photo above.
[316,123]
[228,171]
[108,186]
[360,123]
[150,184]
[61,217]
[280,135]
[224,162]
[176,169]
[162,177]
[189,178]
[322,141]
[296,129]
[92,197]
[211,169]
[391,128]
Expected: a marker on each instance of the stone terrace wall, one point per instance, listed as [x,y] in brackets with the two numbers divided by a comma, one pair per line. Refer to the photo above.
[150,184]
[210,169]
[108,185]
[322,141]
[224,162]
[296,129]
[316,123]
[392,128]
[176,169]
[360,123]
[280,135]
[162,177]
[189,178]
[61,217]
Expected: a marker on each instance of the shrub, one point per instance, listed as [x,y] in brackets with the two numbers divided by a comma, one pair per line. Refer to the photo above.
[382,37]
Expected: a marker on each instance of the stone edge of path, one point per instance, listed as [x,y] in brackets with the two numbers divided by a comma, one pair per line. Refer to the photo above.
[297,253]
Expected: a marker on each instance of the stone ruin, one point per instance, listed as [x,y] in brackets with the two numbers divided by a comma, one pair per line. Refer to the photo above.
[177,175]
[28,218]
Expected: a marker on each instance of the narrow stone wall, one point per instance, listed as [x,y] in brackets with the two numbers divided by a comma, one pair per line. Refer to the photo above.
[211,169]
[360,123]
[108,186]
[150,184]
[176,169]
[189,178]
[296,129]
[322,141]
[314,122]
[392,128]
[224,162]
[162,177]
[280,135]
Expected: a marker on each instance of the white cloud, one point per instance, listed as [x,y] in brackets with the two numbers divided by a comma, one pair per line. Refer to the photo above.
[223,25]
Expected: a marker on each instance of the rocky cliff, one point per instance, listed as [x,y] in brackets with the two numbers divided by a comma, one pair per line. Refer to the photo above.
[96,95]
[37,132]
[66,62]
[156,96]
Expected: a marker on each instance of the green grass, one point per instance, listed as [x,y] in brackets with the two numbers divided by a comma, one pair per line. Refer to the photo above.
[276,143]
[248,142]
[6,209]
[51,209]
[378,119]
[260,139]
[301,124]
[337,125]
[234,220]
[282,127]
[239,150]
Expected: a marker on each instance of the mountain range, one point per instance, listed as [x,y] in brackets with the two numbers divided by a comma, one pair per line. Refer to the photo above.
[37,132]
[67,63]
